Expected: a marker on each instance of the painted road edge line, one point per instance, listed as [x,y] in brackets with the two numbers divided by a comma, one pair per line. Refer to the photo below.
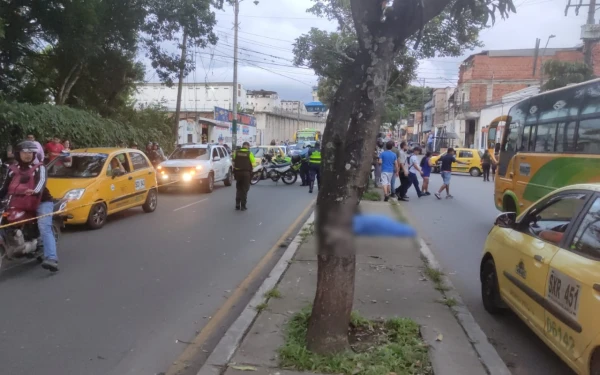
[488,355]
[229,343]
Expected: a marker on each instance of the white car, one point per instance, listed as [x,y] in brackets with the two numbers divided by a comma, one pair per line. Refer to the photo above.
[197,165]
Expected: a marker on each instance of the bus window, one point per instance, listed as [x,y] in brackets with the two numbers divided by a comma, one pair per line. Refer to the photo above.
[526,140]
[588,136]
[592,100]
[558,105]
[544,138]
[565,137]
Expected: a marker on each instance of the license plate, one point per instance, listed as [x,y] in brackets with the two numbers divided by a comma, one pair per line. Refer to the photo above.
[564,291]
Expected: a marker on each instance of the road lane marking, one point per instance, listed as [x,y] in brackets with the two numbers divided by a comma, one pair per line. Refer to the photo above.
[190,205]
[194,349]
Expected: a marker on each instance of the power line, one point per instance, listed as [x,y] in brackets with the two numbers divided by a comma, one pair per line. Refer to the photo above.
[261,36]
[260,62]
[283,75]
[279,17]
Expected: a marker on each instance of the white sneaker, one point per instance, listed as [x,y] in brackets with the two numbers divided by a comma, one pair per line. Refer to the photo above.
[449,196]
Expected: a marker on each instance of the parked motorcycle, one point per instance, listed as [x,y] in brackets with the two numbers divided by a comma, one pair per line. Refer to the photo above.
[274,171]
[22,241]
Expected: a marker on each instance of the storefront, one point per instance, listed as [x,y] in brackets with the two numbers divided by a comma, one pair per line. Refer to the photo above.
[223,131]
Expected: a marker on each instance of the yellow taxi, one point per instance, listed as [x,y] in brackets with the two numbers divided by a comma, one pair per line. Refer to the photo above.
[98,182]
[545,266]
[470,156]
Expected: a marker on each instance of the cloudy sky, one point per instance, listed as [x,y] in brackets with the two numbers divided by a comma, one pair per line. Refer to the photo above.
[268,30]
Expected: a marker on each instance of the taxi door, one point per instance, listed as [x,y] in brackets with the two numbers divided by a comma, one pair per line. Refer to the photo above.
[526,264]
[573,287]
[464,156]
[120,188]
[144,176]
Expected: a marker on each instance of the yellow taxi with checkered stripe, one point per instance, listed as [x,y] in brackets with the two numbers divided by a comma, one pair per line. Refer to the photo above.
[98,182]
[545,266]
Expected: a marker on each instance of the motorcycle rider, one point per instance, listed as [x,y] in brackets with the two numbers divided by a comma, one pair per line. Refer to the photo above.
[314,160]
[27,172]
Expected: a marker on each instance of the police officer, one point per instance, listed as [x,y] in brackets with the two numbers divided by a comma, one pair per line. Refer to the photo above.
[243,161]
[304,167]
[314,167]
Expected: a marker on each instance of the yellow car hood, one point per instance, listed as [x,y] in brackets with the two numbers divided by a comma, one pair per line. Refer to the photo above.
[60,186]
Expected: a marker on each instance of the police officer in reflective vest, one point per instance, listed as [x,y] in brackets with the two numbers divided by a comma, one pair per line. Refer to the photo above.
[243,161]
[314,167]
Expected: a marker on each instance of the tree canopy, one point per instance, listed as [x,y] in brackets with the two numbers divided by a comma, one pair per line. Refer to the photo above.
[562,73]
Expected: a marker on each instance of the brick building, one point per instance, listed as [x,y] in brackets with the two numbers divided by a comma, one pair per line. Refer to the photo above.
[485,77]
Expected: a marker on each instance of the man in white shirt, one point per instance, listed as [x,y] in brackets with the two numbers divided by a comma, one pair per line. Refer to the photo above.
[414,168]
[403,174]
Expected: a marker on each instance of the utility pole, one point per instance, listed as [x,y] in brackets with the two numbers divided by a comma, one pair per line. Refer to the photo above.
[542,61]
[180,85]
[590,32]
[236,26]
[589,43]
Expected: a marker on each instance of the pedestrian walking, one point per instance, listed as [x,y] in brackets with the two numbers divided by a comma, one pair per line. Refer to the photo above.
[426,168]
[446,172]
[486,163]
[495,159]
[314,168]
[389,165]
[414,169]
[396,151]
[243,162]
[377,161]
[430,139]
[403,174]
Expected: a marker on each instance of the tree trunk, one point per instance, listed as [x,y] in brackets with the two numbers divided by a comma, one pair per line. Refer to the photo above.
[68,83]
[348,146]
[180,85]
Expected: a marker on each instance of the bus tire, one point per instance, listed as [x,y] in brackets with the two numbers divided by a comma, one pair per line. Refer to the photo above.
[508,204]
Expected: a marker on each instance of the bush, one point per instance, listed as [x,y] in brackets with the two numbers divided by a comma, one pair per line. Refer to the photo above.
[83,129]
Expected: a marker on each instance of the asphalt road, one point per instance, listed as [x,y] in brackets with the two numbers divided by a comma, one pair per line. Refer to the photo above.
[129,296]
[456,230]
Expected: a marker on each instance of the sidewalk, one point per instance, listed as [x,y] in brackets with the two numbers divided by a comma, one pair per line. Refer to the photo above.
[391,281]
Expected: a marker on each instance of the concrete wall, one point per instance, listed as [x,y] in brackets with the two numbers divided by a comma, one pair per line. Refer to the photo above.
[282,127]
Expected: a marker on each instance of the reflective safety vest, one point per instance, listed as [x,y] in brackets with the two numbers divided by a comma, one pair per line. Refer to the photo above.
[315,157]
[241,161]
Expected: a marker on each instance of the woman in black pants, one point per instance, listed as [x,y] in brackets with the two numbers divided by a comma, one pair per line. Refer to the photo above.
[486,163]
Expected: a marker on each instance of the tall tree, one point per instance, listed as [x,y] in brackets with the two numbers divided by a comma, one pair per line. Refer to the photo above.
[563,73]
[383,30]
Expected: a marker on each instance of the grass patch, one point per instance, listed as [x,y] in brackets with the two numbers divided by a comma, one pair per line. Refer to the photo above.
[371,195]
[434,275]
[307,232]
[399,214]
[273,293]
[450,302]
[377,348]
[260,308]
[441,288]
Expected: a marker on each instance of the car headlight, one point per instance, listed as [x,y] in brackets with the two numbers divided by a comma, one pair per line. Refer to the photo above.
[165,176]
[159,167]
[186,177]
[198,167]
[74,194]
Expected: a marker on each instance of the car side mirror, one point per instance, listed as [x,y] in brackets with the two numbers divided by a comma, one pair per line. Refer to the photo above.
[216,158]
[506,220]
[117,173]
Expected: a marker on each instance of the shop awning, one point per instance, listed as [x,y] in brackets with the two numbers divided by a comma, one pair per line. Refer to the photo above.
[215,122]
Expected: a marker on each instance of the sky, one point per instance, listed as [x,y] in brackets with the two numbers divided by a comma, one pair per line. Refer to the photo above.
[268,31]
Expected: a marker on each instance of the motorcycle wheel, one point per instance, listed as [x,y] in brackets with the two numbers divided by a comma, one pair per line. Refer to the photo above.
[255,178]
[275,177]
[289,178]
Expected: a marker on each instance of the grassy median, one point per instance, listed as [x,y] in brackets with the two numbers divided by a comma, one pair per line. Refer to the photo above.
[386,347]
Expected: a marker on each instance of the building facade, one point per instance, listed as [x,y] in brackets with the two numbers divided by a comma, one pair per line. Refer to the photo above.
[293,106]
[263,100]
[197,97]
[486,77]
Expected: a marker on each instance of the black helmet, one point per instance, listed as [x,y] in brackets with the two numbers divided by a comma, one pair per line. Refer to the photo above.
[25,146]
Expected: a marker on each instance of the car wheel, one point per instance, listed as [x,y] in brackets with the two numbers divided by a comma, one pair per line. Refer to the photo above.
[229,179]
[475,172]
[151,201]
[509,204]
[209,183]
[490,292]
[595,362]
[97,216]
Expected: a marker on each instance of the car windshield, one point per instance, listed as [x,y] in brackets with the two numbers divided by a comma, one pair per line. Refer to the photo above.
[190,153]
[77,165]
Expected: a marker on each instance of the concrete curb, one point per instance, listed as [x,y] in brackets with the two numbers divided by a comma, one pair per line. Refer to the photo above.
[488,355]
[226,348]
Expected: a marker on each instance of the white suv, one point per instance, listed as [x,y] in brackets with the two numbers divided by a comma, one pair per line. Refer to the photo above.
[197,164]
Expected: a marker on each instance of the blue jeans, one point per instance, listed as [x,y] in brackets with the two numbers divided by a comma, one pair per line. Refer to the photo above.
[412,177]
[46,232]
[394,183]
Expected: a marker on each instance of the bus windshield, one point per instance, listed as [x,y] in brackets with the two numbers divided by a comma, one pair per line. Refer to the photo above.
[550,140]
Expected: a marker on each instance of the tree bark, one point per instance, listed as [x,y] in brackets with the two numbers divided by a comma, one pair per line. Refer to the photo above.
[68,83]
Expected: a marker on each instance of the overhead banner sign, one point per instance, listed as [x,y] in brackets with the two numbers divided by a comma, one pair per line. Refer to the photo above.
[225,115]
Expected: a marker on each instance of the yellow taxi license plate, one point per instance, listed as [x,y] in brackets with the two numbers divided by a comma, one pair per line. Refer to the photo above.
[564,291]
